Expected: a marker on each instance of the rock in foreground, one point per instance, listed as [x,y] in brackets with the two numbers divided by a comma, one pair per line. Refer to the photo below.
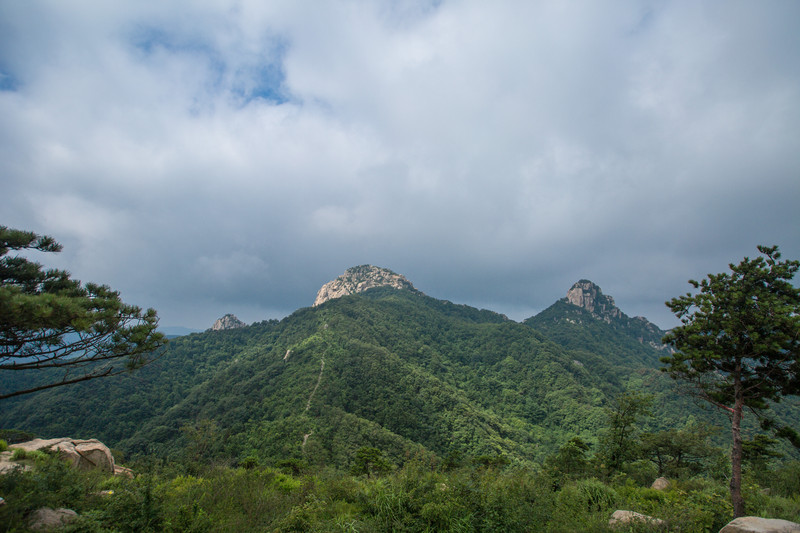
[46,519]
[754,524]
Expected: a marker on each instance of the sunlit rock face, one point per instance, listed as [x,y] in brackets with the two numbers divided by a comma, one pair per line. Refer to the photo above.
[229,321]
[359,279]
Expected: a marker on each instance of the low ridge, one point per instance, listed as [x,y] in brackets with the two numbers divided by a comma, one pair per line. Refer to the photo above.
[359,279]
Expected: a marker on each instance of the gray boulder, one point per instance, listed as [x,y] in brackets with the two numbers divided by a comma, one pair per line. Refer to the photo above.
[621,518]
[46,519]
[88,454]
[660,484]
[754,524]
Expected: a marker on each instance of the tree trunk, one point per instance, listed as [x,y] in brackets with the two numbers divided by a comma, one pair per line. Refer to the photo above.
[736,452]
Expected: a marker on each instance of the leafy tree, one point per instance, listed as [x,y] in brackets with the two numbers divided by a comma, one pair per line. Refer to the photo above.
[758,454]
[571,460]
[370,461]
[676,452]
[50,321]
[738,345]
[618,444]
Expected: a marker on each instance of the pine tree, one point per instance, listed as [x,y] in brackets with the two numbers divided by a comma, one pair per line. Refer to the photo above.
[69,331]
[738,344]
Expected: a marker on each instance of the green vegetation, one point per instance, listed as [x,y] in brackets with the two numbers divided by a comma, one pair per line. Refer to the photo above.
[738,344]
[389,410]
[424,494]
[50,321]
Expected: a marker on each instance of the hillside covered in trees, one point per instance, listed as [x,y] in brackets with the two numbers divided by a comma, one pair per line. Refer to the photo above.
[375,382]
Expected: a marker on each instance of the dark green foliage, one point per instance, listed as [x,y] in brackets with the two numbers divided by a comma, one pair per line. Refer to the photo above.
[618,443]
[417,497]
[679,453]
[571,461]
[739,342]
[370,461]
[394,370]
[50,321]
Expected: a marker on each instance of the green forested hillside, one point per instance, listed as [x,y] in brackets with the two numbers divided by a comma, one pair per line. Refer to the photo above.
[391,369]
[388,410]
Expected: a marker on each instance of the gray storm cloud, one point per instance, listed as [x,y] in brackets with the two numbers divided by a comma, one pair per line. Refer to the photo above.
[217,157]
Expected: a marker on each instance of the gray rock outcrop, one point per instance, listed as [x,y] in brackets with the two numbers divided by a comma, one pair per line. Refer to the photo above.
[88,454]
[620,518]
[228,321]
[46,519]
[359,279]
[587,295]
[754,524]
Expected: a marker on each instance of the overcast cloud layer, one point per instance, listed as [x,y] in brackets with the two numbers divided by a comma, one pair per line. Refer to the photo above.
[206,157]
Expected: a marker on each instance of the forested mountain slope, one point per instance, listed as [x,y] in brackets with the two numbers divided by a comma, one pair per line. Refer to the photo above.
[386,368]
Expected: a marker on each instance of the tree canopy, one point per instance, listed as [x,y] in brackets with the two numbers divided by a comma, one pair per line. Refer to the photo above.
[50,321]
[738,344]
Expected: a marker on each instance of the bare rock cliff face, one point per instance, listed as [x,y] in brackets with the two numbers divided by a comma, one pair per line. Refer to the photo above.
[589,296]
[359,279]
[229,321]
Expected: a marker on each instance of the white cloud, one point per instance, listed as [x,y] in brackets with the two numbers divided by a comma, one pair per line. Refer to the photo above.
[517,144]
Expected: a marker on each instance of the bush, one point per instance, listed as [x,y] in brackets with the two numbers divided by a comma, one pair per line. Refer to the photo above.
[52,483]
[32,455]
[3,445]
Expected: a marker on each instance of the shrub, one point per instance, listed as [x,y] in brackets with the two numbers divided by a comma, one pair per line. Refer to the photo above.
[3,445]
[32,455]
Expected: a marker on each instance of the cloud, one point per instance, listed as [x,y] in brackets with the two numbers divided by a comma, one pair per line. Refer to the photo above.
[201,155]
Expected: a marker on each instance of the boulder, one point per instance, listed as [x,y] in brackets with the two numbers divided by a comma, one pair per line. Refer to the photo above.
[620,518]
[83,454]
[46,519]
[123,471]
[660,484]
[7,465]
[754,524]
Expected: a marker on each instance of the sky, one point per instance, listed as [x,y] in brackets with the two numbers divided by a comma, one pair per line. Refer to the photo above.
[206,157]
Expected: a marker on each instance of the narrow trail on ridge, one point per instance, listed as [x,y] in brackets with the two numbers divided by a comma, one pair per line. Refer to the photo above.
[311,397]
[319,379]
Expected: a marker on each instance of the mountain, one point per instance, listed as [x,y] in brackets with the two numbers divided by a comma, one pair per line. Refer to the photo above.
[228,321]
[386,367]
[588,320]
[359,279]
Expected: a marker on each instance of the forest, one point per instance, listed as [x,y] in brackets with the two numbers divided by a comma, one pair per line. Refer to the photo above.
[389,410]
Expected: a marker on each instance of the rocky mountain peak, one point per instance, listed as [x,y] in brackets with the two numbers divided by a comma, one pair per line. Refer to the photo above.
[228,321]
[358,279]
[587,295]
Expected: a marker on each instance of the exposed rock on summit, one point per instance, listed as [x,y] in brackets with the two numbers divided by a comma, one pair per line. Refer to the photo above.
[229,321]
[359,279]
[589,296]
